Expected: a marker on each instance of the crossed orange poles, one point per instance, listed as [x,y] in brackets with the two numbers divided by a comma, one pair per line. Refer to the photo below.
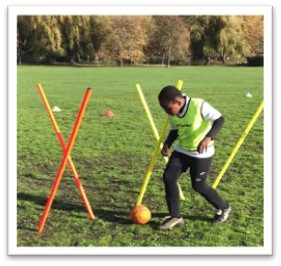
[66,159]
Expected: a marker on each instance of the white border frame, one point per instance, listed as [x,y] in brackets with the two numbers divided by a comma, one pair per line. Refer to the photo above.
[14,11]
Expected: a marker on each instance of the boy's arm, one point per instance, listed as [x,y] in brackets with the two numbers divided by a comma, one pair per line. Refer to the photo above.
[210,113]
[217,125]
[172,136]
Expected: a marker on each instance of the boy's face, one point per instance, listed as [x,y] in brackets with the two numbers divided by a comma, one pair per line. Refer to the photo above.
[173,108]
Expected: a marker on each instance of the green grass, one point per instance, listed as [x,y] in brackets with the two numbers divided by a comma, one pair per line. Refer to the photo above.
[111,156]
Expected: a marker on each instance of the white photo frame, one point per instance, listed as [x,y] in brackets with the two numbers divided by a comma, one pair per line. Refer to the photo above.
[14,11]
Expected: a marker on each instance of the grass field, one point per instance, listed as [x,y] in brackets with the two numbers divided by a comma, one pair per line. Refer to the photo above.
[111,156]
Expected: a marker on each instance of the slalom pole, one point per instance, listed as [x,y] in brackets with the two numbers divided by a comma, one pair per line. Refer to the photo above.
[151,165]
[154,155]
[149,116]
[154,129]
[63,145]
[64,159]
[239,143]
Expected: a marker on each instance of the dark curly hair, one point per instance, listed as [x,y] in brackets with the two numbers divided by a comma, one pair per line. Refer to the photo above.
[168,94]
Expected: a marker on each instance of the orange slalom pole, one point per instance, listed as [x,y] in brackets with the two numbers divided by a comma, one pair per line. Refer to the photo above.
[62,143]
[64,159]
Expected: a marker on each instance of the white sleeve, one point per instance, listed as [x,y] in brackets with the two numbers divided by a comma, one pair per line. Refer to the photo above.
[208,112]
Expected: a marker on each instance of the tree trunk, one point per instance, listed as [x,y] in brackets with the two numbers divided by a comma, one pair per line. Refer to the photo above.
[223,59]
[169,58]
[96,59]
[72,60]
[121,62]
[78,57]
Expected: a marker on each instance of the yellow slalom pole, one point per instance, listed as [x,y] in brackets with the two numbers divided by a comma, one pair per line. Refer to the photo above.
[239,143]
[153,127]
[148,114]
[154,155]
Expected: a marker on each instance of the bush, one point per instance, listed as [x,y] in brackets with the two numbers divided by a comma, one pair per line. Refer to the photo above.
[256,60]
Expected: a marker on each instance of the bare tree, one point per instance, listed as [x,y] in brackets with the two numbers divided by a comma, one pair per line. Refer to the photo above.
[171,38]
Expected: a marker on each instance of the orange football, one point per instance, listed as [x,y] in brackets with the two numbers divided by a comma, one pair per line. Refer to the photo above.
[140,214]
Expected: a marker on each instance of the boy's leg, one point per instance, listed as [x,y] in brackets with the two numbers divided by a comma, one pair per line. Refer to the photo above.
[170,177]
[199,170]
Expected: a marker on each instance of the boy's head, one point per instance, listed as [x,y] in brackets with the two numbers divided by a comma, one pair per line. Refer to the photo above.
[171,100]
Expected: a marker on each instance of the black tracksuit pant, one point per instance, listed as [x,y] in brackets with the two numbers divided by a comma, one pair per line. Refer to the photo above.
[199,169]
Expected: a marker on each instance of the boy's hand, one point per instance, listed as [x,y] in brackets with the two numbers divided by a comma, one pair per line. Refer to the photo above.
[203,145]
[165,150]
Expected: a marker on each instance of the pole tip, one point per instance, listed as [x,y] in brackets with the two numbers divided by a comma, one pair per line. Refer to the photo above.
[88,88]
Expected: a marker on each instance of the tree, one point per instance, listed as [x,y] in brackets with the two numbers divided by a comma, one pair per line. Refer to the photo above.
[126,37]
[253,33]
[75,32]
[231,42]
[170,39]
[24,39]
[97,36]
[198,26]
[218,38]
[135,39]
[39,38]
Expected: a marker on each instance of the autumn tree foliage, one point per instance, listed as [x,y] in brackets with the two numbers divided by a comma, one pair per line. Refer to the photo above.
[136,40]
[253,33]
[170,39]
[125,38]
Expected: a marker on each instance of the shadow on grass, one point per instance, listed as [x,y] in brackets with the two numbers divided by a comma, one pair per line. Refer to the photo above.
[110,213]
[57,204]
[114,216]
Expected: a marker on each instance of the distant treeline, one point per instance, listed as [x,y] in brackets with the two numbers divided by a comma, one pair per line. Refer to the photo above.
[134,40]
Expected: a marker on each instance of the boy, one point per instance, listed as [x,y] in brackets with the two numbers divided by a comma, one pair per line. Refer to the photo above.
[195,124]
